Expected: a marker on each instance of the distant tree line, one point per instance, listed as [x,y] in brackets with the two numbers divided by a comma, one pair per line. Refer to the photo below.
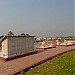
[67,37]
[23,34]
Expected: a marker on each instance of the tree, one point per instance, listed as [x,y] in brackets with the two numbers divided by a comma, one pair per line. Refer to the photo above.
[23,34]
[10,33]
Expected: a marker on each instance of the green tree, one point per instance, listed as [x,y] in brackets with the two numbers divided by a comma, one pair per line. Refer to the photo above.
[23,34]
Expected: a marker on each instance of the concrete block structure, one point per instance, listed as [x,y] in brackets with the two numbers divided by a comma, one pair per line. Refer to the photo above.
[11,46]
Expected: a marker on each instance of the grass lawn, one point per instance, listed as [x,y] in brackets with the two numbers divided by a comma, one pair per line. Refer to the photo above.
[60,65]
[73,38]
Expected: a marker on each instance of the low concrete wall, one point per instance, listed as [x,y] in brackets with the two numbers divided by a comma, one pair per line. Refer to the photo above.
[20,45]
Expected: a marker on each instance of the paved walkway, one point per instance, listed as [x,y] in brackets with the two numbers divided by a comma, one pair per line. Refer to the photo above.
[16,65]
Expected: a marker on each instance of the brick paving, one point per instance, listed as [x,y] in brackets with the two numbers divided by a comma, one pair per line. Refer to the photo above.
[13,66]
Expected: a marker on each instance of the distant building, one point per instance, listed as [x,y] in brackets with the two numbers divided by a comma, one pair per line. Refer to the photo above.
[11,46]
[40,39]
[50,38]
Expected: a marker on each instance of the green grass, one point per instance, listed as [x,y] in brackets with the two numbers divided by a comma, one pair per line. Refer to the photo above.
[68,38]
[60,65]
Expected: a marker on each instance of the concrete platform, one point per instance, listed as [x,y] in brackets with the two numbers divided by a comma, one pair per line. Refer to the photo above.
[45,47]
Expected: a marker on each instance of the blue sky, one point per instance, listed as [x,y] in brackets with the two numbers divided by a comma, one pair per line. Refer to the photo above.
[37,17]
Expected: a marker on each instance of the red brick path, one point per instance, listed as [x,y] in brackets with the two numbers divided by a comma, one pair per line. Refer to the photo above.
[13,66]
